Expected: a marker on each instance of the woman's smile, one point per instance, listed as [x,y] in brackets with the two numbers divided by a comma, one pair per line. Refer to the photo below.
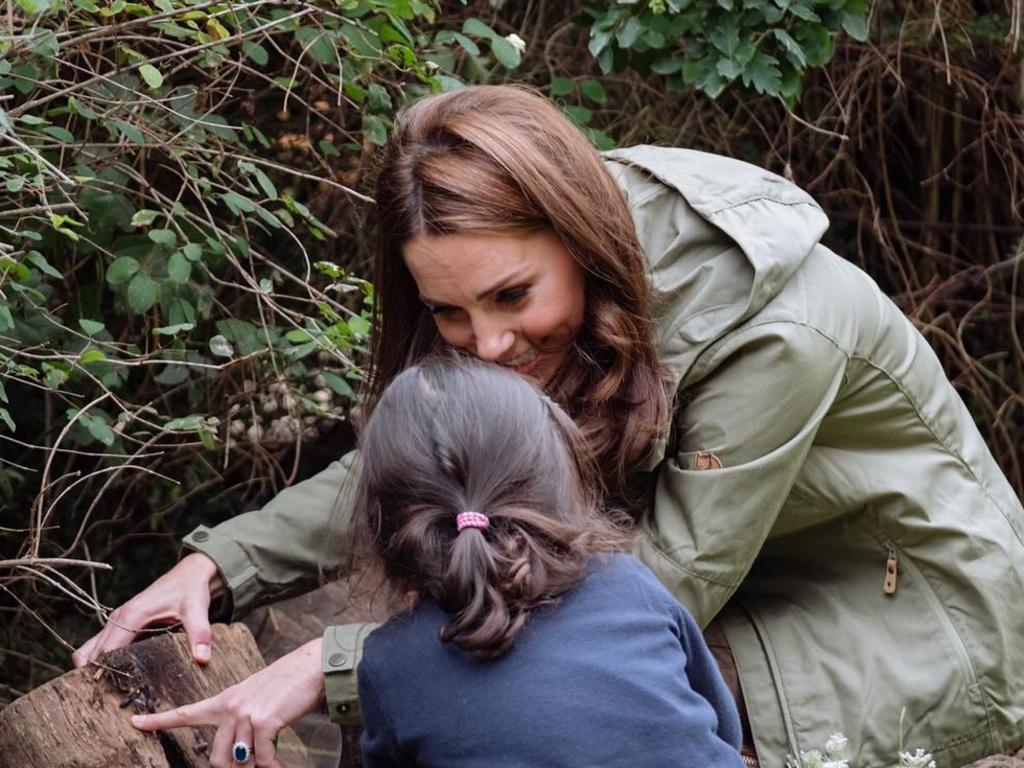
[516,299]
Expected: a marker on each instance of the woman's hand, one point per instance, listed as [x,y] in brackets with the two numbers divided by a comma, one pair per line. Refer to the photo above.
[255,710]
[182,594]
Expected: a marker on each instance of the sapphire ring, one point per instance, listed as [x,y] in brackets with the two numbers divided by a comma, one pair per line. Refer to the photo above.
[241,752]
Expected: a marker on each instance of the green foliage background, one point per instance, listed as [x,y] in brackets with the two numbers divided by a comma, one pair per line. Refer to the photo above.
[183,226]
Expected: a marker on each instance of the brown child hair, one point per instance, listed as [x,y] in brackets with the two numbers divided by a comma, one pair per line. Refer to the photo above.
[451,435]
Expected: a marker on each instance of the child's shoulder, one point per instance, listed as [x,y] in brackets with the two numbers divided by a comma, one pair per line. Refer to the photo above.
[623,569]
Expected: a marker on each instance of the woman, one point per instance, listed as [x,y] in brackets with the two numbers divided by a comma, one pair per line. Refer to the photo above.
[816,485]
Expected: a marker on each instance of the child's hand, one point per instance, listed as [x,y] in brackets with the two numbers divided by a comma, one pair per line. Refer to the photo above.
[255,710]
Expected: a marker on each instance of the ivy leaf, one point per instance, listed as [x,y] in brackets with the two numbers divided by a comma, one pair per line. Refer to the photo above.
[478,28]
[143,292]
[91,355]
[221,346]
[6,319]
[237,203]
[339,385]
[121,270]
[856,26]
[91,327]
[192,251]
[359,325]
[562,86]
[98,428]
[467,45]
[505,52]
[375,130]
[256,53]
[130,132]
[36,259]
[173,330]
[179,268]
[60,134]
[593,90]
[144,217]
[166,237]
[151,75]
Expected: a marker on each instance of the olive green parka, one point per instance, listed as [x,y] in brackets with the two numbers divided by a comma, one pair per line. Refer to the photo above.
[823,489]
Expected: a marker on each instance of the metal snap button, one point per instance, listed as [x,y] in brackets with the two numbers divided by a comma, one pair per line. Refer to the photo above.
[337,659]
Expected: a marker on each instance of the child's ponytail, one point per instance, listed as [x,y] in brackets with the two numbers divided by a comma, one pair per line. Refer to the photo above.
[473,494]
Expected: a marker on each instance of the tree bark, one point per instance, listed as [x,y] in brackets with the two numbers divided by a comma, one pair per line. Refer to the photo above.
[82,718]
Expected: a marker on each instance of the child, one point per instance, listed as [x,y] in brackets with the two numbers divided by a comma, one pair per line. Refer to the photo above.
[532,643]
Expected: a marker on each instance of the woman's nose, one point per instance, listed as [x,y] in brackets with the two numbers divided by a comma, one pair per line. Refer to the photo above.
[492,342]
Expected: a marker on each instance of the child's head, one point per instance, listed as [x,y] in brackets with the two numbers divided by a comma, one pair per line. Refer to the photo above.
[454,435]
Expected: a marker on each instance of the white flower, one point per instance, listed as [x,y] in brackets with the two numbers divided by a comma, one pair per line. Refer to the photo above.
[919,759]
[516,42]
[836,745]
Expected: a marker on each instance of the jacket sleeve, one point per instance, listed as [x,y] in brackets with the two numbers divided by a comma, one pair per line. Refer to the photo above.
[281,549]
[743,433]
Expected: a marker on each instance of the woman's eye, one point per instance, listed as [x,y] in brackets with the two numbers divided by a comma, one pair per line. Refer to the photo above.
[512,295]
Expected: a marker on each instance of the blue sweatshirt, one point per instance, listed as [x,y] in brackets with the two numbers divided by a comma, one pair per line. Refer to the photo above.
[616,674]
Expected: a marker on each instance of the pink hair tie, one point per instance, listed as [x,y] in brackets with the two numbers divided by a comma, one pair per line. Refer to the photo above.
[472,520]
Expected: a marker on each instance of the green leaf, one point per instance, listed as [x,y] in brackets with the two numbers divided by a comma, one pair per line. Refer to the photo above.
[467,45]
[98,428]
[265,184]
[793,49]
[192,251]
[8,420]
[359,325]
[629,32]
[173,330]
[476,27]
[221,346]
[15,183]
[6,319]
[179,268]
[856,26]
[130,132]
[593,90]
[185,424]
[91,327]
[60,134]
[91,355]
[763,73]
[165,237]
[151,75]
[256,53]
[375,129]
[36,259]
[144,217]
[121,270]
[339,385]
[505,52]
[143,291]
[237,203]
[579,115]
[562,86]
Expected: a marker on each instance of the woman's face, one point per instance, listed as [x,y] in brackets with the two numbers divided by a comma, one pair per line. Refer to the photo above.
[514,298]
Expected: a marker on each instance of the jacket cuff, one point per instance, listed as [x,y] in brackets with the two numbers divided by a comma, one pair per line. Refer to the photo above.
[342,649]
[236,570]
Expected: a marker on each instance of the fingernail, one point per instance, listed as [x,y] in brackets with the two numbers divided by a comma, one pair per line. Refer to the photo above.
[203,652]
[138,719]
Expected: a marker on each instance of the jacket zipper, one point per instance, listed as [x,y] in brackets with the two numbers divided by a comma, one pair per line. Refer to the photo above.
[891,571]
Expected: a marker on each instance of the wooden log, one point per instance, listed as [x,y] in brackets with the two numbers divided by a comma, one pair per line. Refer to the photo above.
[82,718]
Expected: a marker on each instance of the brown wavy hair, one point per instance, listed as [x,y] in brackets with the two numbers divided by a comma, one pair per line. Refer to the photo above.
[502,159]
[454,434]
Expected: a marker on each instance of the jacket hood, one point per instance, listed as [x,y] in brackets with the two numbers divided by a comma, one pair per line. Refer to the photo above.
[722,238]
